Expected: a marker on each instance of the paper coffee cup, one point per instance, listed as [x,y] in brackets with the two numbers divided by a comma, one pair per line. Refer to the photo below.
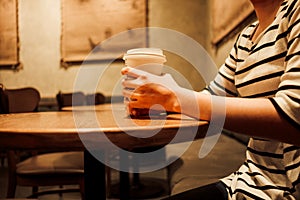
[147,59]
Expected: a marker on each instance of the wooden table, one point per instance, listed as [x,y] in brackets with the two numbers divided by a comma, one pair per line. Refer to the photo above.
[93,129]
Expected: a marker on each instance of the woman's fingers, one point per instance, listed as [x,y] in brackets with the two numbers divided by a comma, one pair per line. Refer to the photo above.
[127,93]
[129,83]
[134,82]
[125,70]
[131,94]
[132,72]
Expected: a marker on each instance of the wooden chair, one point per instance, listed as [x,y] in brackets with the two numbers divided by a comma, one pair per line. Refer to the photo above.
[19,100]
[70,99]
[47,169]
[95,99]
[78,99]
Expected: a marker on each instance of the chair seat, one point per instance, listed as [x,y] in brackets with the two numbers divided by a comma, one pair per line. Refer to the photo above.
[61,162]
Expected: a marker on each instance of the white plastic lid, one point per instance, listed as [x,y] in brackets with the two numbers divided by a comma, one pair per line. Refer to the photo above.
[145,51]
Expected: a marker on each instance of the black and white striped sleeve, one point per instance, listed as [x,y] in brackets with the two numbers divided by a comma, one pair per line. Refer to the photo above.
[287,98]
[223,84]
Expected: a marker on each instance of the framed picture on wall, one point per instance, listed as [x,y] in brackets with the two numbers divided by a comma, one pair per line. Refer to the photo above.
[9,34]
[97,30]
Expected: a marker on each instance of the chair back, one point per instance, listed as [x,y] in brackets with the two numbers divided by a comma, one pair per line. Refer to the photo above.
[95,99]
[70,99]
[19,100]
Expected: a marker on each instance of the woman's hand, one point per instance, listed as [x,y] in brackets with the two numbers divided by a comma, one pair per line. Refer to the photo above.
[145,90]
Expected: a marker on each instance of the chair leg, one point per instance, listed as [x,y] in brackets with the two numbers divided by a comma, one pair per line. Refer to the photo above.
[3,157]
[81,188]
[60,193]
[35,189]
[108,180]
[2,161]
[136,182]
[12,179]
[11,189]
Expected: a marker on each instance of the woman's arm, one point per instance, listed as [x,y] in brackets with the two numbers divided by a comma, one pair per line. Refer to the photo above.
[255,117]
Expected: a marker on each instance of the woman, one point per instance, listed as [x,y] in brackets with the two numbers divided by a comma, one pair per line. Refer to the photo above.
[262,84]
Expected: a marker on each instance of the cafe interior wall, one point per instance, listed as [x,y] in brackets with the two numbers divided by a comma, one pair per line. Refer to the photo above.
[39,36]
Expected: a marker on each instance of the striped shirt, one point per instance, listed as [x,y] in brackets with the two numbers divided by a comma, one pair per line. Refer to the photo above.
[268,67]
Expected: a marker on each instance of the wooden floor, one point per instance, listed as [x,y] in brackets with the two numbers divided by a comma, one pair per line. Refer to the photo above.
[23,192]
